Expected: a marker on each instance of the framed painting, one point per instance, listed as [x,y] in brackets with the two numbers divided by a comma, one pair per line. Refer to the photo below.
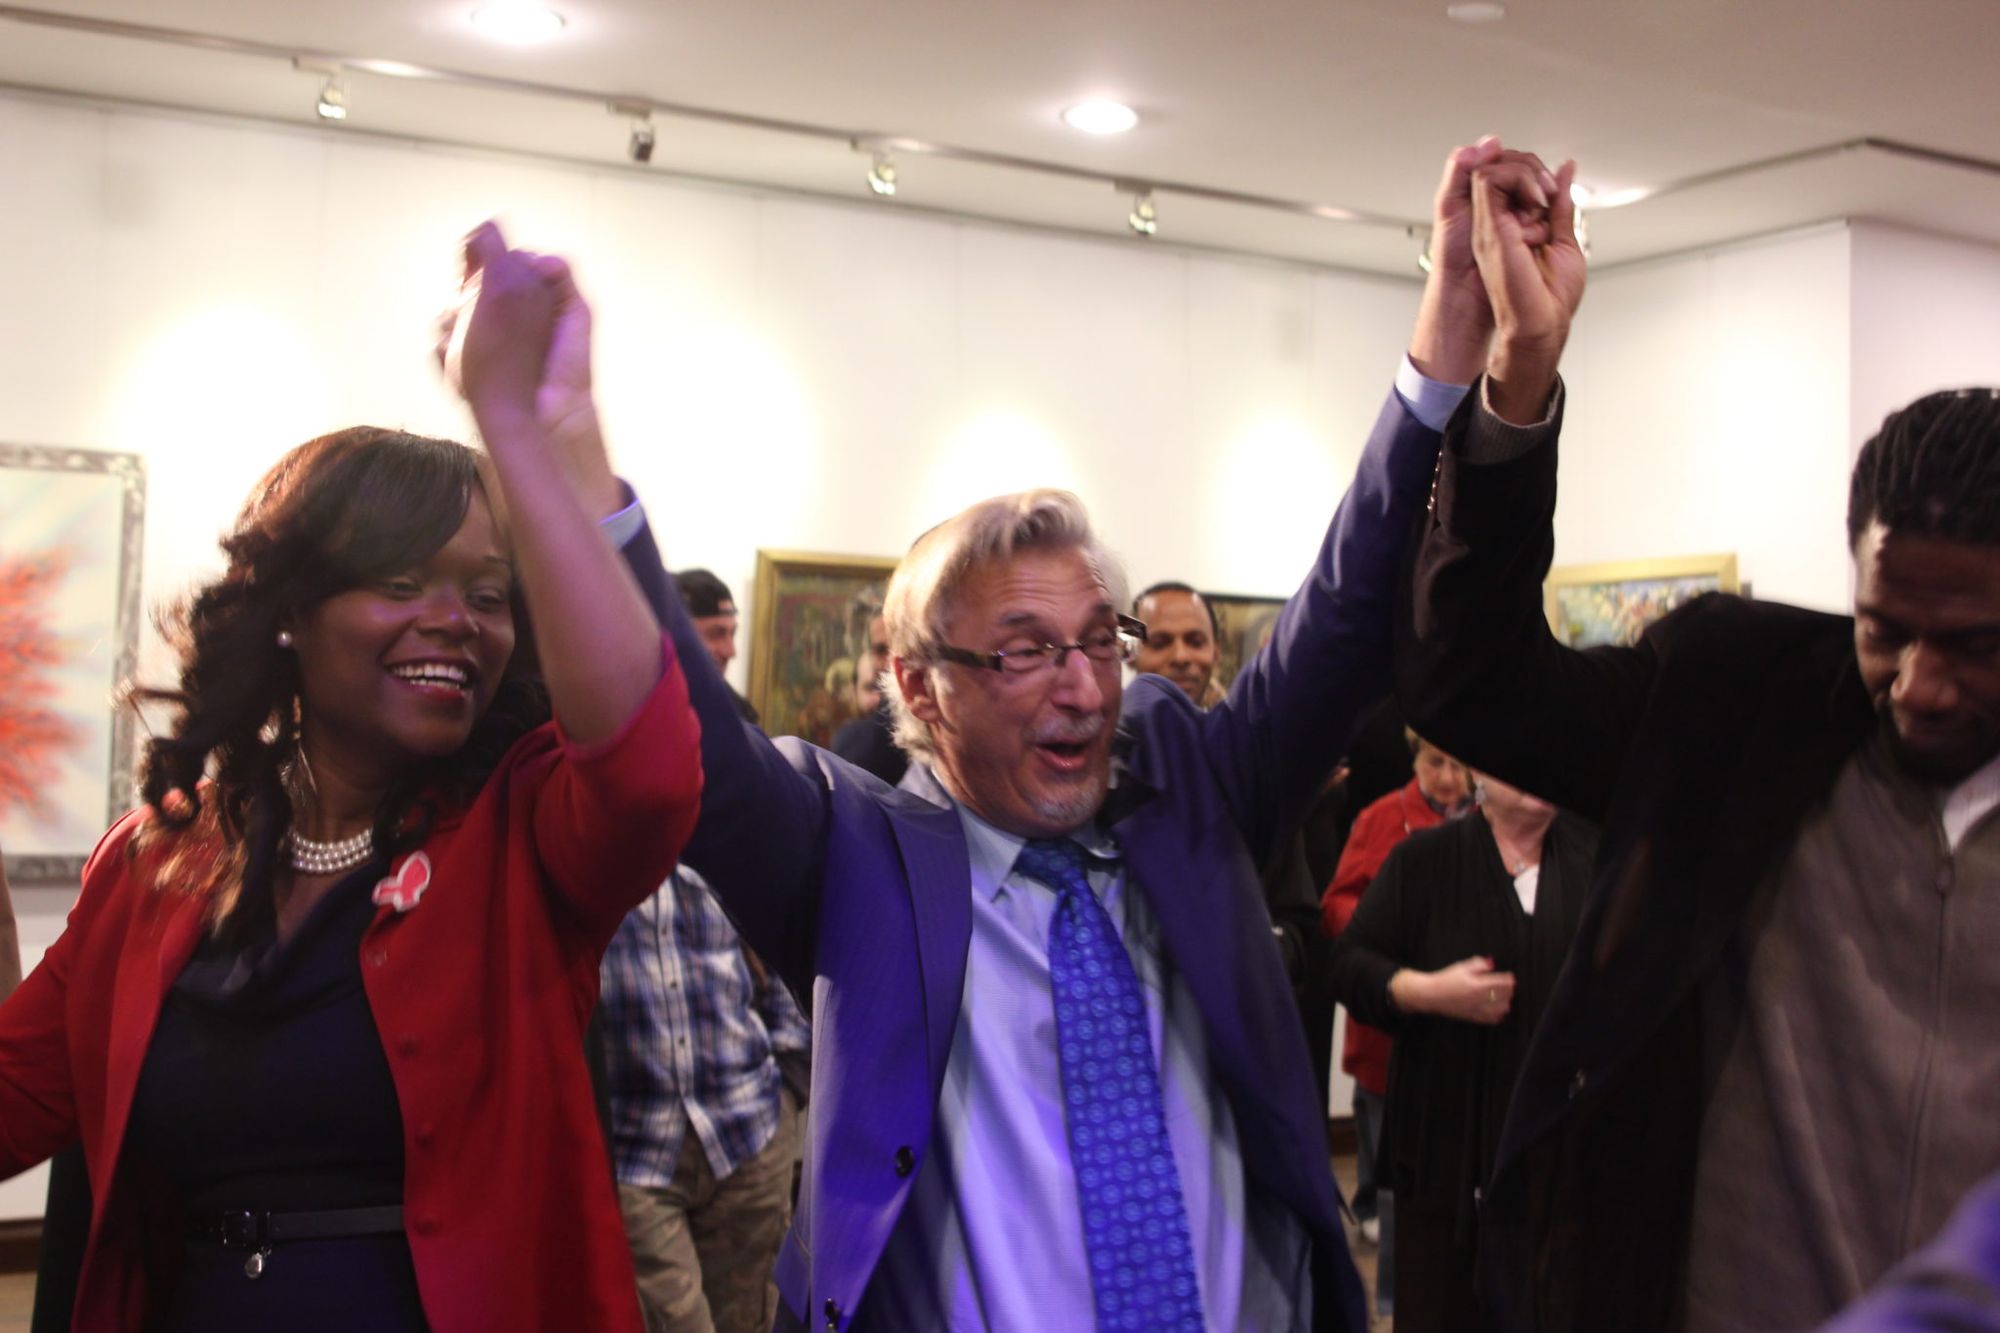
[71,522]
[1588,605]
[811,617]
[1241,624]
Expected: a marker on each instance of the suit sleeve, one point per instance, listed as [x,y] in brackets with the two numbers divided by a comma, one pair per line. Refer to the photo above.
[1952,1285]
[760,840]
[1375,944]
[1288,716]
[1477,669]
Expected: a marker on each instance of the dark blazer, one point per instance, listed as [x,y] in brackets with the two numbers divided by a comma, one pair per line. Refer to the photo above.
[858,895]
[1699,750]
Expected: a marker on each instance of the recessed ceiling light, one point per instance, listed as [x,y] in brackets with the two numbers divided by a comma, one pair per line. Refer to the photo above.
[1100,117]
[517,22]
[1476,11]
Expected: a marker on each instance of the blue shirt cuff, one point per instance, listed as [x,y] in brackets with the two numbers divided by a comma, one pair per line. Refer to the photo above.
[1430,401]
[623,526]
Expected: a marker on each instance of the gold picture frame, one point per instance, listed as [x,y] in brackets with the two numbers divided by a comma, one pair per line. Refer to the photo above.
[805,630]
[1591,605]
[1240,625]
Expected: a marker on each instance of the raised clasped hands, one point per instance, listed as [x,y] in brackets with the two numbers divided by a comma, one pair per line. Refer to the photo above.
[1532,267]
[1455,323]
[518,339]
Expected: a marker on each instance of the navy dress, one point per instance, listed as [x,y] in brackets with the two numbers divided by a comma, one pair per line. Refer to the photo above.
[266,1089]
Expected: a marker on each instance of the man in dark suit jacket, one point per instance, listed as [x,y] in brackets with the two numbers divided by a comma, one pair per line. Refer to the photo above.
[1767,1071]
[960,1154]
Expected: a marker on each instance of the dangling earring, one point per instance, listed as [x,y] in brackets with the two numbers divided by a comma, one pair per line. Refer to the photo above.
[284,638]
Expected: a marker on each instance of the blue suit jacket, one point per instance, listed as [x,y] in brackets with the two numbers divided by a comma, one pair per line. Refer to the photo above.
[859,894]
[1951,1285]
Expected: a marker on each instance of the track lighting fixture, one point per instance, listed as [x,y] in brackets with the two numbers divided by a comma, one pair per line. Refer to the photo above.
[639,147]
[332,100]
[882,176]
[1144,219]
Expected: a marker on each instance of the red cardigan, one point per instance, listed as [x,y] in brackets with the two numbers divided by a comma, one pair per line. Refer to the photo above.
[1377,830]
[480,992]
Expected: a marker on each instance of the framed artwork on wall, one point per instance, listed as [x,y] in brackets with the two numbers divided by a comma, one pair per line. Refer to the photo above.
[1588,605]
[1241,623]
[812,613]
[71,523]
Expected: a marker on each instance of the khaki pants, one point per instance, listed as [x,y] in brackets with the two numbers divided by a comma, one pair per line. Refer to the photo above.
[704,1248]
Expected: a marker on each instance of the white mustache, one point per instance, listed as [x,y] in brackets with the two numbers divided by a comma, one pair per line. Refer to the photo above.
[1080,732]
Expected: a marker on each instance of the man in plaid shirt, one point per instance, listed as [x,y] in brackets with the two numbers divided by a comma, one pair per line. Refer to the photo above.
[706,1068]
[706,1054]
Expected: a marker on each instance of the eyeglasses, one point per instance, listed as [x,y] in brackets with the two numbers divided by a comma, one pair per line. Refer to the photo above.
[1104,644]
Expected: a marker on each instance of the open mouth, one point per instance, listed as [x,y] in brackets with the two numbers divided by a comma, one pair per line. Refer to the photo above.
[442,680]
[1065,756]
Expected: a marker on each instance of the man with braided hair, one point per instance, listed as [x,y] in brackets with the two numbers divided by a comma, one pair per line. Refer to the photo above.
[1768,1070]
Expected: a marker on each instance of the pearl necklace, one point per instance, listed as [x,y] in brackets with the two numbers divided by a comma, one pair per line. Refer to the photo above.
[328,858]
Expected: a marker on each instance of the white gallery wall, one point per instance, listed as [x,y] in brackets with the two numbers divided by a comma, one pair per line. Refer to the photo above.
[1707,413]
[1926,315]
[833,376]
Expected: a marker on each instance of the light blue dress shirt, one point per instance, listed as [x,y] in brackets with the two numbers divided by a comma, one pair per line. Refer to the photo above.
[992,1237]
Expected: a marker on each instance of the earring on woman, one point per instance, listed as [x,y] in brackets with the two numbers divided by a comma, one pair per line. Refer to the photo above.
[284,638]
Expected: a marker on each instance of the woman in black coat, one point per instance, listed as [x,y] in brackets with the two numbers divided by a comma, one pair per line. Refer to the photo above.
[1454,951]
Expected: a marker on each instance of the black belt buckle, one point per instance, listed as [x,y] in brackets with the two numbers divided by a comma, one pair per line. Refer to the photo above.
[246,1231]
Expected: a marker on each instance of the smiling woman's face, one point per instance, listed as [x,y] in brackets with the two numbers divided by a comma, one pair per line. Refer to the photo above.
[400,668]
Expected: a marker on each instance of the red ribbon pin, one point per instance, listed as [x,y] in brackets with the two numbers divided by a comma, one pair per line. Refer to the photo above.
[406,884]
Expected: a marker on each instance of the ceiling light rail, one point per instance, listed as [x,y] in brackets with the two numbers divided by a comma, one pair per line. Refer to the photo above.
[641,109]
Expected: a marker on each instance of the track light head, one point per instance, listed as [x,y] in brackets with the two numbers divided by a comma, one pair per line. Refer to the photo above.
[332,100]
[1144,219]
[640,147]
[882,176]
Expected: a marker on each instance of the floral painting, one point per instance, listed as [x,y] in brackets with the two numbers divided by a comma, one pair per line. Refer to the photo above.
[1590,605]
[70,526]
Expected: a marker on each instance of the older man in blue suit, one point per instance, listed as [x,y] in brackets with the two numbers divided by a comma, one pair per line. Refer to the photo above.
[1058,1079]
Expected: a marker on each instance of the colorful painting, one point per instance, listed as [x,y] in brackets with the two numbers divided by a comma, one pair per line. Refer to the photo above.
[70,528]
[812,615]
[1590,605]
[1241,624]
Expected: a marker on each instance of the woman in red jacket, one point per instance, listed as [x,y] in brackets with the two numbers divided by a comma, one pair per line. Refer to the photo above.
[317,1019]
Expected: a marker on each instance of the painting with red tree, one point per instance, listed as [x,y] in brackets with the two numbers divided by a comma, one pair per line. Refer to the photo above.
[34,737]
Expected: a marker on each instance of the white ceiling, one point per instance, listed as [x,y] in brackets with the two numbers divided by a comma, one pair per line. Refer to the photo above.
[1351,103]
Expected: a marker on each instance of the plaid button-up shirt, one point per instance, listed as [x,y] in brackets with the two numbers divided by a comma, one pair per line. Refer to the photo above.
[695,1039]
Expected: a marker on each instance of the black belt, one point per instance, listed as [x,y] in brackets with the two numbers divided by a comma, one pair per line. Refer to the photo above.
[260,1231]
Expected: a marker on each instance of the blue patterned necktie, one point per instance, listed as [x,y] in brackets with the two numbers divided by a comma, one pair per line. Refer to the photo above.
[1135,1226]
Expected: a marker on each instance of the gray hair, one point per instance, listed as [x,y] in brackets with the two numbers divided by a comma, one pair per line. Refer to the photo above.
[922,590]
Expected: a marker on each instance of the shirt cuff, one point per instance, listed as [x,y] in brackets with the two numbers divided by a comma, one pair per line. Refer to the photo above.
[621,527]
[1430,401]
[1488,439]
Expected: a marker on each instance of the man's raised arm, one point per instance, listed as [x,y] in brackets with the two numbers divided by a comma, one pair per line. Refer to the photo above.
[1476,666]
[1277,735]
